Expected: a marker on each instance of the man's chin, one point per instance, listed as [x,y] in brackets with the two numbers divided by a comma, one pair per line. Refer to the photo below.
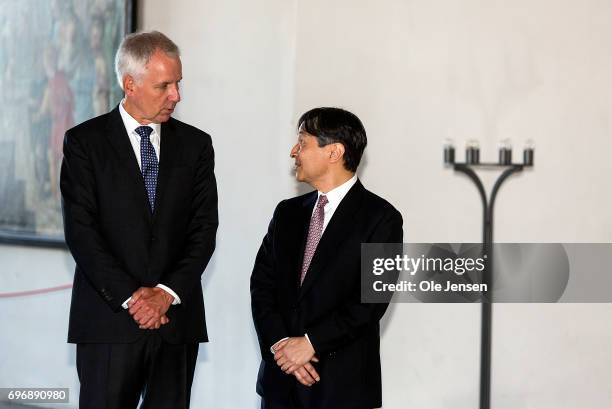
[163,118]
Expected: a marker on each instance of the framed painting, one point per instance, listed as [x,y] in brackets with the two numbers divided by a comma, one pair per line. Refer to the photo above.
[56,70]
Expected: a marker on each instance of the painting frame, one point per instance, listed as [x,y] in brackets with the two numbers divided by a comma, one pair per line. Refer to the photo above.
[18,222]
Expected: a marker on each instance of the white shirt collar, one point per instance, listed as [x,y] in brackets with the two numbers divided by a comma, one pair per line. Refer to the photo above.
[336,195]
[131,124]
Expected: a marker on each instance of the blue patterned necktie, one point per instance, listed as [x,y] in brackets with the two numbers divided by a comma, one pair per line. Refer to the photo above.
[149,165]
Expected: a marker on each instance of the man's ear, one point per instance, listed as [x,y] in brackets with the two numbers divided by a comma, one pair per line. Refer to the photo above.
[336,152]
[128,84]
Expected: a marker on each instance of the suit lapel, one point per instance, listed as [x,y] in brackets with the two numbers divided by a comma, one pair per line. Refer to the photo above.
[168,155]
[338,229]
[120,141]
[167,160]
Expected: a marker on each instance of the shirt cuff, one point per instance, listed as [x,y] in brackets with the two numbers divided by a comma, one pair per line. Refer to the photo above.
[125,303]
[306,335]
[177,300]
[275,344]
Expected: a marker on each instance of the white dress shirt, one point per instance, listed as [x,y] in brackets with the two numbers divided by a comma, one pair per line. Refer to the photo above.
[334,197]
[130,126]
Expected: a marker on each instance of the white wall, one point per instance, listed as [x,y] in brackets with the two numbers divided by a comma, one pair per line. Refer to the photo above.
[420,71]
[34,352]
[416,72]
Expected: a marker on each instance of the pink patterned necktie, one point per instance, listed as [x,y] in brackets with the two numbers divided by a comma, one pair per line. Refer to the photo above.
[314,234]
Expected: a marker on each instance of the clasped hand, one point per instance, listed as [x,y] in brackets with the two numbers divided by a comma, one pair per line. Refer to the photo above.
[294,356]
[148,307]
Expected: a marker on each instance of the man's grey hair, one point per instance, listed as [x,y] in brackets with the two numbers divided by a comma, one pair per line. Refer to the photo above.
[135,51]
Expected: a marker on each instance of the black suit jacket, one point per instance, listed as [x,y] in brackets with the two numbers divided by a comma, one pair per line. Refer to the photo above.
[119,245]
[343,331]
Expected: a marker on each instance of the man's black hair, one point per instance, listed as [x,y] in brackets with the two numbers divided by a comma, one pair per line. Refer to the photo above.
[336,125]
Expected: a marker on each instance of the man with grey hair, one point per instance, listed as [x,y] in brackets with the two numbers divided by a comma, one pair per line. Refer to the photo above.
[139,200]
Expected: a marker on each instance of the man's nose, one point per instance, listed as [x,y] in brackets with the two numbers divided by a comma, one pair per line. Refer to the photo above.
[294,151]
[175,94]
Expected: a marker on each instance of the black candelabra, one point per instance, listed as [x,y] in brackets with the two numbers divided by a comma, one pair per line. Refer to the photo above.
[472,161]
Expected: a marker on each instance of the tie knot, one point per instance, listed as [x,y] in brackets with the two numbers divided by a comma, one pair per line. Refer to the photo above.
[144,131]
[322,201]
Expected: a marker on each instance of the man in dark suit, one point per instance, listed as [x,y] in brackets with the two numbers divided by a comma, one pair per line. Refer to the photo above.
[319,342]
[140,217]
